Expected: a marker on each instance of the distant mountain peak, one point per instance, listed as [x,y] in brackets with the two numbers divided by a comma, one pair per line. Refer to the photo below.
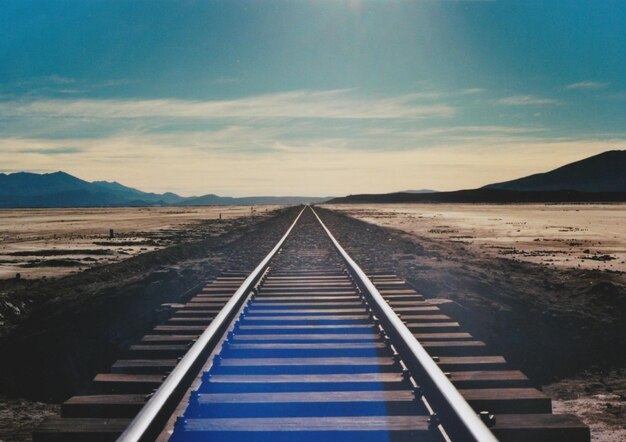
[60,189]
[419,191]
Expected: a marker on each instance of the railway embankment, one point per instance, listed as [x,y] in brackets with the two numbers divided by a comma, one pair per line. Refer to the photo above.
[76,325]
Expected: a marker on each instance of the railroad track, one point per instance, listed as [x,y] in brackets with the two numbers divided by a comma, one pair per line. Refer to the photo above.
[309,348]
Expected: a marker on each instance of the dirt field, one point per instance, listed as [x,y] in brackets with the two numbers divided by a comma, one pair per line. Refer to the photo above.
[584,236]
[56,242]
[544,304]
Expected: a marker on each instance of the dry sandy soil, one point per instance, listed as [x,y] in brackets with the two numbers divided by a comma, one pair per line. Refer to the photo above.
[598,398]
[55,242]
[584,236]
[530,280]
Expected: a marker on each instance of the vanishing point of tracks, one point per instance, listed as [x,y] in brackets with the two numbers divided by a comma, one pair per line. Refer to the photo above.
[309,348]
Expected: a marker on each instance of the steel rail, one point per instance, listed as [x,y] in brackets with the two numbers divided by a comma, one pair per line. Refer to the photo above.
[152,417]
[461,421]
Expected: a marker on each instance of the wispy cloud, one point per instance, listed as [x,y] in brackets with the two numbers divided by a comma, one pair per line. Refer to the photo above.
[527,100]
[53,150]
[57,79]
[619,96]
[45,80]
[586,85]
[333,104]
[114,83]
[52,79]
[225,80]
[472,91]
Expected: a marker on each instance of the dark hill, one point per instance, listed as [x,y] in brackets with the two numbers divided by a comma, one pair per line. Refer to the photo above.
[605,172]
[25,184]
[600,178]
[60,189]
[491,196]
[134,194]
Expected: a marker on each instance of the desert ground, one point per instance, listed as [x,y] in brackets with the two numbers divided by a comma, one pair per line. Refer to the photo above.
[543,284]
[52,242]
[532,281]
[584,236]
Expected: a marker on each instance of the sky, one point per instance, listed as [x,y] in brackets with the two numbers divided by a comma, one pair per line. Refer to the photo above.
[309,97]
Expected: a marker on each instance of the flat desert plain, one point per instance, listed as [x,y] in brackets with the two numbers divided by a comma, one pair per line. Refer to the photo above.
[585,236]
[55,242]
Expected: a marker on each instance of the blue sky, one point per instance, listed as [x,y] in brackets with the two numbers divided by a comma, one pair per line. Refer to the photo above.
[312,97]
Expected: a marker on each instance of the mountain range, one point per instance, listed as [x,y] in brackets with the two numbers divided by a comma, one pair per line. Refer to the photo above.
[600,178]
[60,189]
